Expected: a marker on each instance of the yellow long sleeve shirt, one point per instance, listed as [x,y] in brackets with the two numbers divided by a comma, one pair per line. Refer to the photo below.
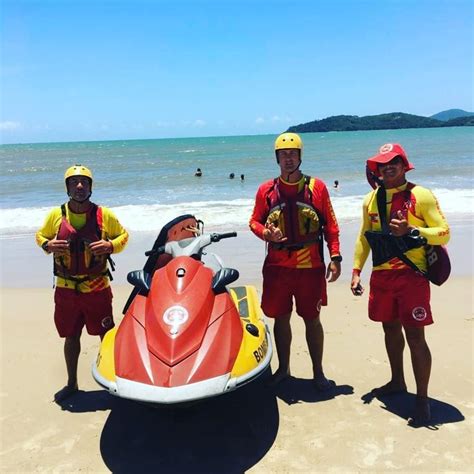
[425,214]
[112,231]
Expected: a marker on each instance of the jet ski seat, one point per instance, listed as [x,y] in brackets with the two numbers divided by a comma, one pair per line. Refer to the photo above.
[177,229]
[225,276]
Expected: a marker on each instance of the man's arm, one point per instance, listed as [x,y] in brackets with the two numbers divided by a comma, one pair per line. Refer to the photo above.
[331,227]
[362,247]
[259,215]
[437,230]
[361,251]
[114,233]
[46,235]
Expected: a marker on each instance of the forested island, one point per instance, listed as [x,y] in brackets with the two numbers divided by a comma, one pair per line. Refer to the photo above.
[394,120]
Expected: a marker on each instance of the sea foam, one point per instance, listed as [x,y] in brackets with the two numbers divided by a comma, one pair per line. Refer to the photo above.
[217,215]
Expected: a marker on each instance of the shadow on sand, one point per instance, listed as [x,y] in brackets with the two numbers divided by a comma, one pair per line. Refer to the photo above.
[402,405]
[230,433]
[295,390]
[84,402]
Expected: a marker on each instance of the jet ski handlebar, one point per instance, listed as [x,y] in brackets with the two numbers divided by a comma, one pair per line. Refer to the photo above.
[190,246]
[226,235]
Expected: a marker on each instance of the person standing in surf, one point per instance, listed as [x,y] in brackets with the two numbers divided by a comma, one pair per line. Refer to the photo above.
[81,236]
[293,214]
[399,218]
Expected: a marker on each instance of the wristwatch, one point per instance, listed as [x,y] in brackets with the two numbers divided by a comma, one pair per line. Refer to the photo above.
[44,245]
[336,258]
[414,232]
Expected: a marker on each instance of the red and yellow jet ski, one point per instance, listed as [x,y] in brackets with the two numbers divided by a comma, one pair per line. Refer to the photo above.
[185,336]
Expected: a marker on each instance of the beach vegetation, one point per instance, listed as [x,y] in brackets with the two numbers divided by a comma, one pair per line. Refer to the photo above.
[391,121]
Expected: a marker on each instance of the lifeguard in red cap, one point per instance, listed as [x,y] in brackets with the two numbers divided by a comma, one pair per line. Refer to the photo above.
[399,218]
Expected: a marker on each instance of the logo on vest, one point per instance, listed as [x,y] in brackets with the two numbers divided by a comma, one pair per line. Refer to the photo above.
[374,217]
[419,313]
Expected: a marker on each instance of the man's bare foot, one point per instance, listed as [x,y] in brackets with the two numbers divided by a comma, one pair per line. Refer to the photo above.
[322,383]
[278,377]
[65,392]
[390,388]
[422,414]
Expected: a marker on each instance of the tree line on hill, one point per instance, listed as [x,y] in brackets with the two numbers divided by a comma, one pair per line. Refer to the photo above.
[394,120]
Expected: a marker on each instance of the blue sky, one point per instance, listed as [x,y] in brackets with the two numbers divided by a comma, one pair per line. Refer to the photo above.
[100,70]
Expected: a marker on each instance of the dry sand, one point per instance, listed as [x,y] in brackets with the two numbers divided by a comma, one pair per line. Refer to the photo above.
[256,429]
[292,429]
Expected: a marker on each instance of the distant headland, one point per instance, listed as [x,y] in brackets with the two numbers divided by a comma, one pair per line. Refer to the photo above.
[394,120]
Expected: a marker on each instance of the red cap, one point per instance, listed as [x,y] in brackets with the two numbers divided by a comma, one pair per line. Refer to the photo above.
[387,153]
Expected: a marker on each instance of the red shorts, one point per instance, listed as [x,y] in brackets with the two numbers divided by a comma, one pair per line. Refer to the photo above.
[75,310]
[400,295]
[306,285]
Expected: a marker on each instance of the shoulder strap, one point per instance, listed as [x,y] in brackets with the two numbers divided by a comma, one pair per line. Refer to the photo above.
[97,213]
[382,208]
[272,187]
[98,216]
[307,181]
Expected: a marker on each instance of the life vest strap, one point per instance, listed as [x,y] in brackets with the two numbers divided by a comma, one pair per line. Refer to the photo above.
[78,281]
[294,247]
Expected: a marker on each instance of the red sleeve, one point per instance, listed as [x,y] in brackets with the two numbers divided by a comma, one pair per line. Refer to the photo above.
[322,202]
[260,211]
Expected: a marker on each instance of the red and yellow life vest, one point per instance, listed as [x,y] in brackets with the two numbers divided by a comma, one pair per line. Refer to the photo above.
[295,215]
[80,260]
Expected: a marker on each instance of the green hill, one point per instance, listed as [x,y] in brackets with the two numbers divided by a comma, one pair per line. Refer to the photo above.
[446,115]
[394,120]
[461,122]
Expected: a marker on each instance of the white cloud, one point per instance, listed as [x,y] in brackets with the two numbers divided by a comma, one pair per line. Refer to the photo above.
[259,120]
[163,124]
[278,118]
[10,125]
[41,127]
[199,123]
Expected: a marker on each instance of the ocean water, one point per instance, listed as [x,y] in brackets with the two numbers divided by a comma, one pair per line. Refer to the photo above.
[149,182]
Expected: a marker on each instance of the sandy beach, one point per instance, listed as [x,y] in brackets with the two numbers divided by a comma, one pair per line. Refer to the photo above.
[256,429]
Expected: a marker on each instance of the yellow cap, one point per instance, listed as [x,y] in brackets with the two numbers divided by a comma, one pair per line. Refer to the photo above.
[287,141]
[78,170]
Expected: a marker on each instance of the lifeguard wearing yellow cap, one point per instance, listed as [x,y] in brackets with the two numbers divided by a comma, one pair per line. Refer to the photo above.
[287,141]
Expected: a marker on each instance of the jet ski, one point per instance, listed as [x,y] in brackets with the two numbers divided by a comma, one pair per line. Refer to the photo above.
[185,334]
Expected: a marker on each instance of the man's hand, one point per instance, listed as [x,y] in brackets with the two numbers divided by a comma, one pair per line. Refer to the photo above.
[273,234]
[333,271]
[399,226]
[356,288]
[58,247]
[101,247]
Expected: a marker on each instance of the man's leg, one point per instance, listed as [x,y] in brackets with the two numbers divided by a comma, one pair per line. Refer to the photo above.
[315,341]
[394,344]
[72,349]
[282,335]
[421,362]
